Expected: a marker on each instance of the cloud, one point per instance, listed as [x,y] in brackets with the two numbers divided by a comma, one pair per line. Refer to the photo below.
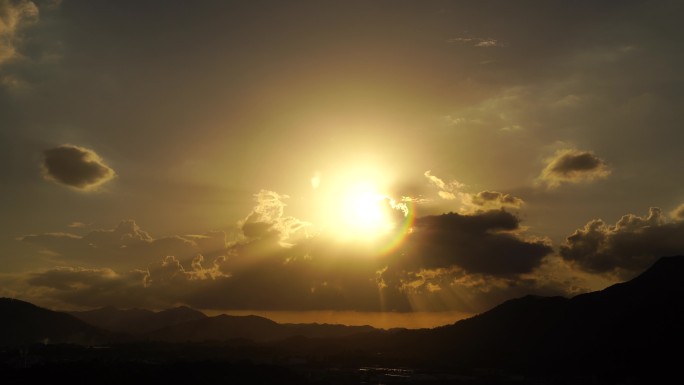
[483,242]
[678,213]
[267,218]
[163,284]
[125,246]
[312,273]
[78,286]
[14,15]
[448,191]
[625,248]
[76,167]
[480,42]
[468,292]
[487,200]
[495,199]
[573,166]
[272,266]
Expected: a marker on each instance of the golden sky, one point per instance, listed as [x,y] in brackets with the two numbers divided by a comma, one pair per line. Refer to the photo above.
[407,160]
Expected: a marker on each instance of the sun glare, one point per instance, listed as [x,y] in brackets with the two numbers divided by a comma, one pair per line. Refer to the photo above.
[364,212]
[354,204]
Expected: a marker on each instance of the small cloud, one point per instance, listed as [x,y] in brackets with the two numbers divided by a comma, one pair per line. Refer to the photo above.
[76,167]
[495,199]
[512,128]
[487,200]
[487,43]
[448,191]
[573,166]
[452,121]
[76,225]
[481,42]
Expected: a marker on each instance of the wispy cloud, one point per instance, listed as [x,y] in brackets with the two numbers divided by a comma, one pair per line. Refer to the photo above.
[14,15]
[481,42]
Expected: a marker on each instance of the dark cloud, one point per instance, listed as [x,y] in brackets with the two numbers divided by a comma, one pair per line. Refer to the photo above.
[160,285]
[91,287]
[76,167]
[573,166]
[626,248]
[478,243]
[495,199]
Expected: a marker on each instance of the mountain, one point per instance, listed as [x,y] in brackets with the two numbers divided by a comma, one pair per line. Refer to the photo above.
[632,327]
[226,327]
[632,330]
[22,323]
[137,321]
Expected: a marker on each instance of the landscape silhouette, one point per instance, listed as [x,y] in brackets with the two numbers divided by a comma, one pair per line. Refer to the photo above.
[626,333]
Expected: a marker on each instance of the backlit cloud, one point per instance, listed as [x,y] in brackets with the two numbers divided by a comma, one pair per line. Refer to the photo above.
[573,166]
[76,167]
[258,270]
[495,199]
[678,213]
[484,200]
[625,248]
[449,191]
[267,218]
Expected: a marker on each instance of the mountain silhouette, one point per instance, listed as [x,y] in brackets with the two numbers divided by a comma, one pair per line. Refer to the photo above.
[226,327]
[137,321]
[629,327]
[22,323]
[631,330]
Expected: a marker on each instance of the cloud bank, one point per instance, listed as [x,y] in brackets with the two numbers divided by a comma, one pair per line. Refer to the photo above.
[267,268]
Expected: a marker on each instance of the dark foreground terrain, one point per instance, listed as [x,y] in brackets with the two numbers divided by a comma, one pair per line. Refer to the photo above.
[630,333]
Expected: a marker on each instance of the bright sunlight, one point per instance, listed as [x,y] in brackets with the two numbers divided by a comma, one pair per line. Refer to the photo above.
[364,212]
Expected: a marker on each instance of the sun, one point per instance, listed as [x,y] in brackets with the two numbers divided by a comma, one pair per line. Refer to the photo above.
[354,204]
[364,212]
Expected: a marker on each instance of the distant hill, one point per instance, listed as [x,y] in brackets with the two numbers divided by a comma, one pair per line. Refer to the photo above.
[137,321]
[226,327]
[22,323]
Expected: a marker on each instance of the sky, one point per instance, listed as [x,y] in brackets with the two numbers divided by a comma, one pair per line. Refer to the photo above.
[395,163]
